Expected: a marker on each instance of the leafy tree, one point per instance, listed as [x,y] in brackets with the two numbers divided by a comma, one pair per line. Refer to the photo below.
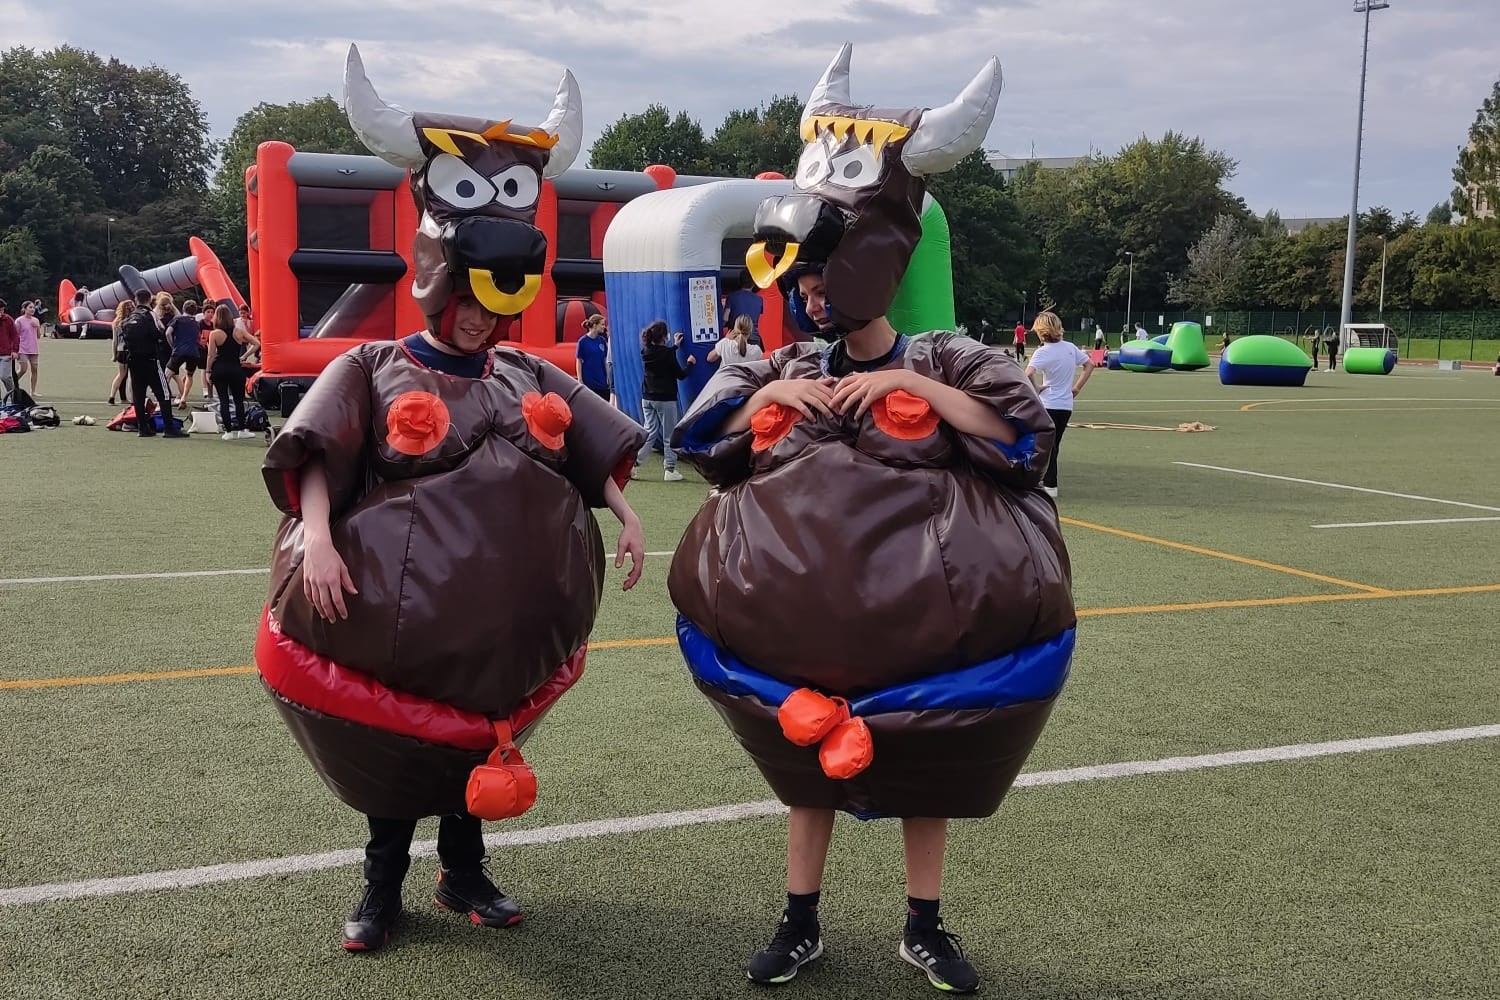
[315,126]
[753,141]
[653,136]
[995,259]
[23,271]
[1216,268]
[1477,175]
[1441,214]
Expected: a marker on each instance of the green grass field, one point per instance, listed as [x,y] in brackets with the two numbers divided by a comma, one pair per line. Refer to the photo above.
[1216,617]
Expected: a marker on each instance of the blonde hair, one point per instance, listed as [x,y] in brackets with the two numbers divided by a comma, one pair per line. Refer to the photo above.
[744,326]
[163,299]
[1048,327]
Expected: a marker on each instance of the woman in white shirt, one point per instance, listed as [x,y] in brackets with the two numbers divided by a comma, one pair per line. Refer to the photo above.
[737,346]
[1059,362]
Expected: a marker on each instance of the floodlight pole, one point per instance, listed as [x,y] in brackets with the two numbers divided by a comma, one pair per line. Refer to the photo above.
[109,246]
[1383,245]
[1129,288]
[1365,7]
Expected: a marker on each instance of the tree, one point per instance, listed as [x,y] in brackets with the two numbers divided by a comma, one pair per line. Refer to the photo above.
[1216,268]
[753,141]
[995,259]
[315,126]
[1477,175]
[653,136]
[1441,214]
[22,268]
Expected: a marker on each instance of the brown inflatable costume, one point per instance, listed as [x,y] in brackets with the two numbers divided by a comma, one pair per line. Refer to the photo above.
[879,606]
[461,505]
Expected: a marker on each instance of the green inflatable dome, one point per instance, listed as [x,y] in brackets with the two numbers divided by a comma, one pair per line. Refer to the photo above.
[1145,356]
[1189,353]
[1263,360]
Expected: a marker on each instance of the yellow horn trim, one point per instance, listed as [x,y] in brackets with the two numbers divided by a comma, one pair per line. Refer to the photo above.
[503,303]
[764,273]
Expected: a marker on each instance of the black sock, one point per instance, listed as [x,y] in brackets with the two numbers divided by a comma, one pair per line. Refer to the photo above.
[921,914]
[802,908]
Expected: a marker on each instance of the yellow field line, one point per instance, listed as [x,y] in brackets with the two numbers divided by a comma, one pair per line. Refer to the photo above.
[1135,609]
[1214,553]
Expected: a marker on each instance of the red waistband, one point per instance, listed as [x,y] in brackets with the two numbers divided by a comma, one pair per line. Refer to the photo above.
[314,681]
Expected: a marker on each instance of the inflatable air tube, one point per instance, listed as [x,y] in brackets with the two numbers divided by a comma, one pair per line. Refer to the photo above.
[1145,356]
[1263,360]
[1112,362]
[1369,361]
[213,278]
[1160,338]
[1189,353]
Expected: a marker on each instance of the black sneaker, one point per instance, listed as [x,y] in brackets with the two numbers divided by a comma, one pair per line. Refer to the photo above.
[938,953]
[792,947]
[369,926]
[472,892]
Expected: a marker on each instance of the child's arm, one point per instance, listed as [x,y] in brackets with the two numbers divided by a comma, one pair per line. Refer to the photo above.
[325,578]
[957,408]
[632,540]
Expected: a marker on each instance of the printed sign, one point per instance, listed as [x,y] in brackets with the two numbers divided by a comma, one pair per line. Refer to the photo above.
[703,299]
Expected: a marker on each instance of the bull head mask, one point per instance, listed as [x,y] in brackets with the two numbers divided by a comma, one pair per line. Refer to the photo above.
[476,184]
[856,212]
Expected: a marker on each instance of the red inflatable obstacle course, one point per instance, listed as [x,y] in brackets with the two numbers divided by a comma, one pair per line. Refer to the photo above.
[85,313]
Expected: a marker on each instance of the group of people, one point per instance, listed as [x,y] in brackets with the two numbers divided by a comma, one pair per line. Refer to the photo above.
[20,351]
[159,349]
[1329,339]
[929,451]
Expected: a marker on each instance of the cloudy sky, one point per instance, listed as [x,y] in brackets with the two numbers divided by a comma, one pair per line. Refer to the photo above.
[1274,83]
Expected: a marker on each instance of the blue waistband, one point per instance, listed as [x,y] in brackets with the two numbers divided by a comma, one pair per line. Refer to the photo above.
[1034,673]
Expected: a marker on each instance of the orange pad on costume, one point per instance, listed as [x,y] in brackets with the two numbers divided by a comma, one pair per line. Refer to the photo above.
[904,416]
[504,786]
[770,424]
[806,716]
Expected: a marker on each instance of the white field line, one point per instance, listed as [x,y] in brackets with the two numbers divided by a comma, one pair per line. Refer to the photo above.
[185,878]
[1402,524]
[1282,399]
[22,581]
[1338,486]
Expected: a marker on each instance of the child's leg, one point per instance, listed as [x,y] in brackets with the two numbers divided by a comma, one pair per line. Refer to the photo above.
[925,943]
[463,885]
[387,856]
[798,939]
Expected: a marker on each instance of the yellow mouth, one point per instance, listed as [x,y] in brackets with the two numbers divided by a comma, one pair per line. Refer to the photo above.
[764,273]
[503,303]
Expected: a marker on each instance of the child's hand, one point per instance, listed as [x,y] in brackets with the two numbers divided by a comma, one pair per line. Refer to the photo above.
[325,579]
[632,542]
[859,390]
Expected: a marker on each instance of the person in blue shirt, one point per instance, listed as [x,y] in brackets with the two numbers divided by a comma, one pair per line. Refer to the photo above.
[593,351]
[745,301]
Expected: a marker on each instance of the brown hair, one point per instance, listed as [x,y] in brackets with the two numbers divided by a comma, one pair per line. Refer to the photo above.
[1048,327]
[224,320]
[654,334]
[122,313]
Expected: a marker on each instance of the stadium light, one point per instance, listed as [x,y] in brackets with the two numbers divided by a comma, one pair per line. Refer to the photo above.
[1129,290]
[1346,315]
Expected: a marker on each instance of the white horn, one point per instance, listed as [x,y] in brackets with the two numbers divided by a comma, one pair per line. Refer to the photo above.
[834,87]
[565,122]
[385,129]
[946,135]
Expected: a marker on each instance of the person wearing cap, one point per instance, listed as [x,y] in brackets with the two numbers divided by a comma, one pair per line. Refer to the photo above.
[439,568]
[885,490]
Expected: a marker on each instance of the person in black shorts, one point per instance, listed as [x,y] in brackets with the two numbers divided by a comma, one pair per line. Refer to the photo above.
[183,332]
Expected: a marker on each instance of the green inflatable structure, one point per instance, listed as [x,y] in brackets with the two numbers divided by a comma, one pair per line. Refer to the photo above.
[1263,360]
[1189,353]
[1145,356]
[1369,361]
[924,301]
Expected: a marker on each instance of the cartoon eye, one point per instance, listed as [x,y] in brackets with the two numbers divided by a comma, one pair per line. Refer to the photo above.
[812,168]
[855,169]
[517,186]
[457,183]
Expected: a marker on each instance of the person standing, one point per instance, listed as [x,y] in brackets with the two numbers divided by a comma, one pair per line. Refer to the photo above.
[1331,346]
[1059,363]
[737,346]
[744,301]
[182,331]
[592,355]
[10,350]
[1313,339]
[226,348]
[1098,337]
[659,395]
[144,343]
[1020,341]
[1140,333]
[29,334]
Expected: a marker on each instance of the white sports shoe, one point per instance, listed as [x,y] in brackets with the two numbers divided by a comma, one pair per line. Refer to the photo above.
[228,436]
[672,476]
[1051,491]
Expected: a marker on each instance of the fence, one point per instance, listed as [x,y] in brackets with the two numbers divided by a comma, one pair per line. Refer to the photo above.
[1472,334]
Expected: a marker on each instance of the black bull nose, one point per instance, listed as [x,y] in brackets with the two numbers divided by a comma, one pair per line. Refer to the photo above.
[508,249]
[812,223]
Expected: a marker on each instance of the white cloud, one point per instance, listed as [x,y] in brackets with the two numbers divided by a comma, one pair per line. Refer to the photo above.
[1271,82]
